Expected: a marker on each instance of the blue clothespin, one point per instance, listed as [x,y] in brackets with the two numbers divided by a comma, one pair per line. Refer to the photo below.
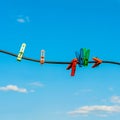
[80,57]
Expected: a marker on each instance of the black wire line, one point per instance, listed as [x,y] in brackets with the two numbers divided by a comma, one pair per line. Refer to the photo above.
[53,62]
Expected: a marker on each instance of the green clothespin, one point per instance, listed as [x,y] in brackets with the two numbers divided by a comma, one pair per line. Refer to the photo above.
[21,52]
[86,54]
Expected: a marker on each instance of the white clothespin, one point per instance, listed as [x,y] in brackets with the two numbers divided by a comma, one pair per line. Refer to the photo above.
[42,57]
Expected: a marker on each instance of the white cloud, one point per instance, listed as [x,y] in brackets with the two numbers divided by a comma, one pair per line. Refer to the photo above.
[99,110]
[37,84]
[13,88]
[115,99]
[23,19]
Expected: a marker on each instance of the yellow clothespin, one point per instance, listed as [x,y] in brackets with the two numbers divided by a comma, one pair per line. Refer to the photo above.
[21,52]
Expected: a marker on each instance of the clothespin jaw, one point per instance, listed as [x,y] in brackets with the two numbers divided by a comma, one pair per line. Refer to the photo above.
[42,57]
[72,66]
[97,62]
[21,52]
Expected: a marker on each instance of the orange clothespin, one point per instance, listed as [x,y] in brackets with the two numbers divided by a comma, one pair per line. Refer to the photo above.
[42,59]
[97,62]
[72,65]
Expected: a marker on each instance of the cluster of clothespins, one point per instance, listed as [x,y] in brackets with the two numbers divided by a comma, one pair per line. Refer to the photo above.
[82,59]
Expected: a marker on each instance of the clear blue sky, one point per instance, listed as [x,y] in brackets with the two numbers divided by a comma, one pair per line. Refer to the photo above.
[31,91]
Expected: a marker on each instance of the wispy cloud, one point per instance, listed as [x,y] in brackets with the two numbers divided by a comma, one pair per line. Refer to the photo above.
[111,89]
[83,91]
[27,18]
[98,110]
[38,84]
[20,20]
[13,88]
[115,99]
[104,100]
[23,19]
[32,91]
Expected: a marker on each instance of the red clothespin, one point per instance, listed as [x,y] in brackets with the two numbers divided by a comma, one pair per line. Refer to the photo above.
[72,65]
[97,62]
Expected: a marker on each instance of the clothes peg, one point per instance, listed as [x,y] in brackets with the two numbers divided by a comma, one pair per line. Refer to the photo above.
[72,66]
[79,56]
[21,52]
[97,62]
[42,58]
[86,54]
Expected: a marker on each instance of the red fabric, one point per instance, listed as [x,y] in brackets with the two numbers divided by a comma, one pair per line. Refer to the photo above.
[72,66]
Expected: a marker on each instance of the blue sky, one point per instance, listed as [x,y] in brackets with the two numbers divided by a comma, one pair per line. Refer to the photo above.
[31,91]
